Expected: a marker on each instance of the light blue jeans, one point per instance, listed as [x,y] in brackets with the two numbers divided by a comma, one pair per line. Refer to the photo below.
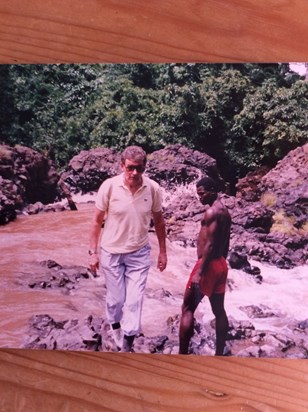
[125,276]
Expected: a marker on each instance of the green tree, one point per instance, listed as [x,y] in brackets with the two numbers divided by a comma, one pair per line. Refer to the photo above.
[273,122]
[243,115]
[48,104]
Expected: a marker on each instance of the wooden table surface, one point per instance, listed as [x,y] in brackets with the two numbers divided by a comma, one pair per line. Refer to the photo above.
[36,31]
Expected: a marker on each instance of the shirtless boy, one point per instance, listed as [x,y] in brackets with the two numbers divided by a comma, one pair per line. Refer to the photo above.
[210,272]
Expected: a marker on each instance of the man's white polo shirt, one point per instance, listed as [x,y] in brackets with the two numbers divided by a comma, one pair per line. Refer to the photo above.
[128,215]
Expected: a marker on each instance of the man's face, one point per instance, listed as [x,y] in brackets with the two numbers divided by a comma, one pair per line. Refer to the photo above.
[132,171]
[205,196]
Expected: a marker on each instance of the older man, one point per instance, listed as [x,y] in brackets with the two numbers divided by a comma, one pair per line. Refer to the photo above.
[209,275]
[126,203]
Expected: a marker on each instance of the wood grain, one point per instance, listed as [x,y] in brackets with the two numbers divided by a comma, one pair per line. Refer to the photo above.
[153,31]
[87,381]
[158,31]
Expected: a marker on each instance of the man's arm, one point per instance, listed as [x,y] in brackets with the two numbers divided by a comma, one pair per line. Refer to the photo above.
[160,230]
[95,231]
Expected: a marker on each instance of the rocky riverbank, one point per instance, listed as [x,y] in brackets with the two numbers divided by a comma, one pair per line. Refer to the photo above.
[245,336]
[269,211]
[269,225]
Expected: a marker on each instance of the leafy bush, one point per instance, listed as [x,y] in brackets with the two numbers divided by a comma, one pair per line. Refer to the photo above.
[244,115]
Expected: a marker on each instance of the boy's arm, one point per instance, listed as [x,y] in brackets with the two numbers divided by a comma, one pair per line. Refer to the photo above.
[208,232]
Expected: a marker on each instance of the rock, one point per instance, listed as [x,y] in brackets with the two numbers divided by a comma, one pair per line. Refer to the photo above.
[285,190]
[94,333]
[252,217]
[303,325]
[177,165]
[286,184]
[269,215]
[276,212]
[87,170]
[239,329]
[10,200]
[258,312]
[173,165]
[56,276]
[26,176]
[34,208]
[46,333]
[247,188]
[238,260]
[50,264]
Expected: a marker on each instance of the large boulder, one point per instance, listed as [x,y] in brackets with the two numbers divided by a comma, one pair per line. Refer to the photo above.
[248,187]
[87,170]
[171,166]
[269,213]
[283,193]
[10,200]
[26,176]
[285,188]
[177,164]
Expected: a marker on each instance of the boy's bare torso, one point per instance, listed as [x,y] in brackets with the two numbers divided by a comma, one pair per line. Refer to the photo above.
[217,219]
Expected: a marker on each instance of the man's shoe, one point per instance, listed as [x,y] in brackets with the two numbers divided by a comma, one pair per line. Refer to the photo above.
[117,335]
[128,343]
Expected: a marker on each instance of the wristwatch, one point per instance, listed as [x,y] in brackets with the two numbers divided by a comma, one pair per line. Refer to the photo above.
[92,252]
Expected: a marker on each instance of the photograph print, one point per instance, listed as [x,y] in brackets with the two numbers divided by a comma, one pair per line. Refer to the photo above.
[155,208]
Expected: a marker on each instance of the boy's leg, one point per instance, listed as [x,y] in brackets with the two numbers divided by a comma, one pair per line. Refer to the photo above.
[222,325]
[192,298]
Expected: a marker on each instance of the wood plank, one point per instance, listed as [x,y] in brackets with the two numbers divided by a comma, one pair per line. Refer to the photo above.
[160,31]
[87,381]
[157,31]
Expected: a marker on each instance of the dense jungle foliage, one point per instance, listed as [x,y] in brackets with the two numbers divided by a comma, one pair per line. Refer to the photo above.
[243,115]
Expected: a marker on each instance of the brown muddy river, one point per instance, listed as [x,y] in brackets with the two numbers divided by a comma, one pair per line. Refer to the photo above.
[63,237]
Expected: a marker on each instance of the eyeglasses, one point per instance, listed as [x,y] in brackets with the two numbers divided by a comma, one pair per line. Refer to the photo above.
[138,168]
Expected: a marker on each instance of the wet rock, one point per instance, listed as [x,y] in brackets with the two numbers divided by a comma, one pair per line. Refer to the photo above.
[46,333]
[50,264]
[240,329]
[177,165]
[87,170]
[269,212]
[57,276]
[248,188]
[158,294]
[26,177]
[269,218]
[238,260]
[170,166]
[94,333]
[303,325]
[286,185]
[261,311]
[38,207]
[10,200]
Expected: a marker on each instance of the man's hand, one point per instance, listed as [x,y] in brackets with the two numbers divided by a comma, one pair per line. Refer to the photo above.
[94,262]
[162,261]
[95,231]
